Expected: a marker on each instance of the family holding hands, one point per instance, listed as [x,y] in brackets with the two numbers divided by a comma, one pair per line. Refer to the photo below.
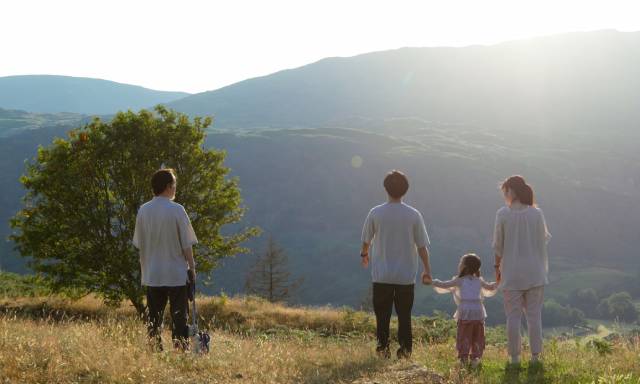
[394,237]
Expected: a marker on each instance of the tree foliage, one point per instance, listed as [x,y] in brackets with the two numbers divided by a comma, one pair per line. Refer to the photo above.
[555,314]
[83,194]
[586,300]
[270,277]
[618,306]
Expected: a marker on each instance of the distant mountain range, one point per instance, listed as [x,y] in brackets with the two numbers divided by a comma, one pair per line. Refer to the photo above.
[548,82]
[576,80]
[51,94]
[562,110]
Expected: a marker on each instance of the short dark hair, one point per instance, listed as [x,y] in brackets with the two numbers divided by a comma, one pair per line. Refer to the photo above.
[161,179]
[396,184]
[471,264]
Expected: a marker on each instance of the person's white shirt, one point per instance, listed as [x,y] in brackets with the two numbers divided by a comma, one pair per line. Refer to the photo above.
[520,237]
[395,231]
[162,231]
[468,294]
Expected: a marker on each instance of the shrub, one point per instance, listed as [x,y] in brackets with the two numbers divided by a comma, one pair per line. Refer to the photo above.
[555,314]
[586,300]
[618,306]
[603,347]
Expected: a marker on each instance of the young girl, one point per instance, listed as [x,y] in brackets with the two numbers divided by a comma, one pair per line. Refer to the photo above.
[469,290]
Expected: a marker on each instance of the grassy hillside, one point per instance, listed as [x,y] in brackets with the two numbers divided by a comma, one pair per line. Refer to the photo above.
[20,135]
[597,278]
[52,94]
[50,339]
[301,187]
[13,122]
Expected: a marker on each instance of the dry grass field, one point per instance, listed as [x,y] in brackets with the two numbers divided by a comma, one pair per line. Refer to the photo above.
[55,340]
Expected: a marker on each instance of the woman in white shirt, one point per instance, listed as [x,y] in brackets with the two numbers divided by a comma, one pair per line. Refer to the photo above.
[520,243]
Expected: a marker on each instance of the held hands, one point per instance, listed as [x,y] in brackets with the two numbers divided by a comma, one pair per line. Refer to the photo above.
[364,259]
[426,278]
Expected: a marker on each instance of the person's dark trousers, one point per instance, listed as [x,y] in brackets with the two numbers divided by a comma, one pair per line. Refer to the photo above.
[178,305]
[385,297]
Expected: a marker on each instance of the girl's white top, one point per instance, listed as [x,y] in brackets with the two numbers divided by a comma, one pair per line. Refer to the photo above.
[521,238]
[468,293]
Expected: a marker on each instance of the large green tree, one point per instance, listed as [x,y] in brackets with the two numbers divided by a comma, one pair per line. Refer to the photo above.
[83,193]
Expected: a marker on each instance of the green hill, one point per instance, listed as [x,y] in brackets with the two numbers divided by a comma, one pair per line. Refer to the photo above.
[13,122]
[52,94]
[301,187]
[20,135]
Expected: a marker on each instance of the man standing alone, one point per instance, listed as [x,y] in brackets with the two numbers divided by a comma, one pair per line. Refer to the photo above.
[164,237]
[399,236]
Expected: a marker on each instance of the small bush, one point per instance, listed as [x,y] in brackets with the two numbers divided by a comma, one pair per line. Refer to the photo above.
[13,285]
[436,330]
[603,347]
[555,314]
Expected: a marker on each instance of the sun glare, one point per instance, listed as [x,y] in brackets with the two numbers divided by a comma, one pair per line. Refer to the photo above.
[196,46]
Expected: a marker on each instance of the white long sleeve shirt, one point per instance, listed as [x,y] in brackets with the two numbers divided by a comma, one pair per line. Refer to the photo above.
[520,237]
[468,293]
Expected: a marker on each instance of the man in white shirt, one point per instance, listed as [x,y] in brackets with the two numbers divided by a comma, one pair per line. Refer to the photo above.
[397,236]
[164,237]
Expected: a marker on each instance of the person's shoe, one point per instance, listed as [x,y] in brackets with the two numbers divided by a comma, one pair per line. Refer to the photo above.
[536,364]
[403,353]
[515,360]
[383,352]
[475,363]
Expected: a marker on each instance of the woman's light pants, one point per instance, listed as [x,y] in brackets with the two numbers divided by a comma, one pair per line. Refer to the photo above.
[530,303]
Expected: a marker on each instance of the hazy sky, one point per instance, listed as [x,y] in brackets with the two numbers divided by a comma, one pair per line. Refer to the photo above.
[195,46]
